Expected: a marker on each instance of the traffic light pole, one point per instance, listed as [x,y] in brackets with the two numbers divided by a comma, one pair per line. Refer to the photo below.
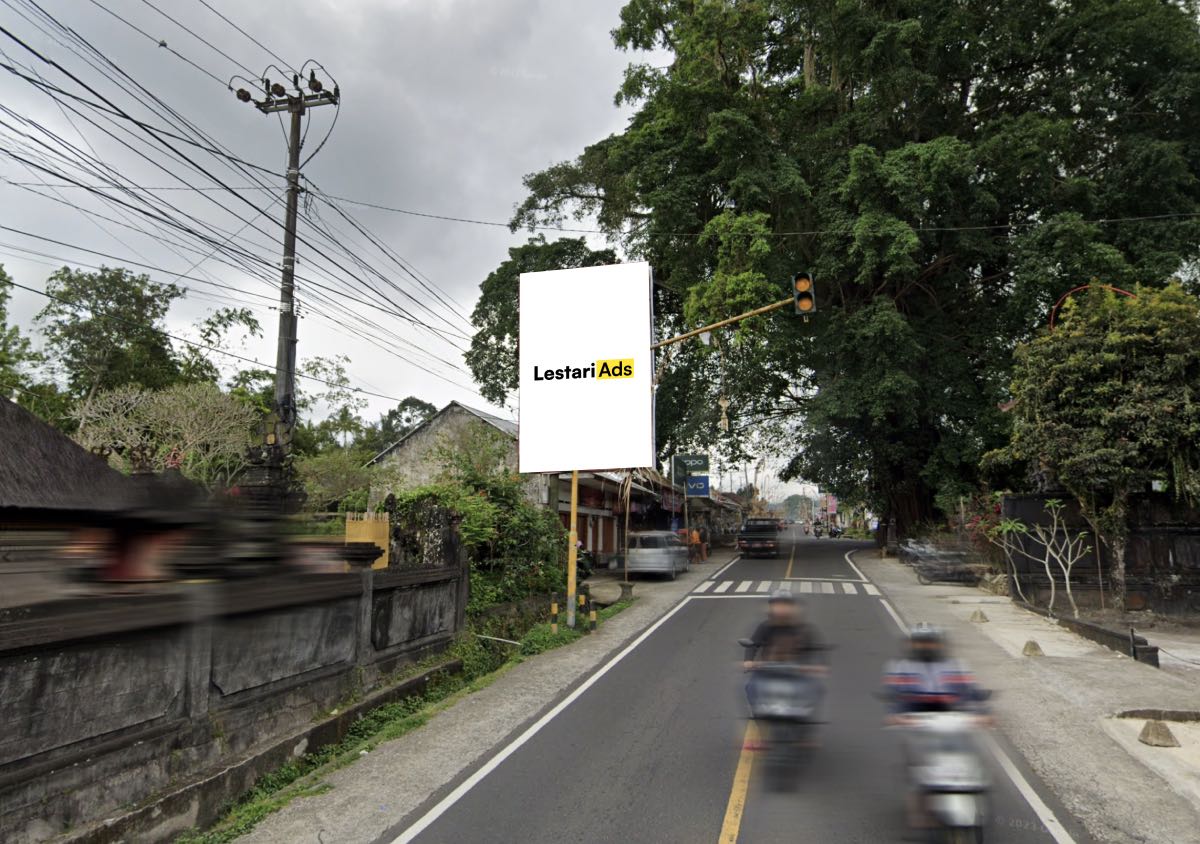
[766,309]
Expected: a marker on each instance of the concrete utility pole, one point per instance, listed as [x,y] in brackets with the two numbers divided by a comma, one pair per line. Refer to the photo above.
[277,99]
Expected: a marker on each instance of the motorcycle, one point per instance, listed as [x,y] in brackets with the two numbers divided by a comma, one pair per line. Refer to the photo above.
[948,774]
[818,531]
[836,532]
[784,699]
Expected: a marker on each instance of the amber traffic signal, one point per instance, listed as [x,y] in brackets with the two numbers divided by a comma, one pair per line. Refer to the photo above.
[803,294]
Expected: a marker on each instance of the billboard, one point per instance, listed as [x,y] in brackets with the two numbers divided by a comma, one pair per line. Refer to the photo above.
[697,486]
[586,369]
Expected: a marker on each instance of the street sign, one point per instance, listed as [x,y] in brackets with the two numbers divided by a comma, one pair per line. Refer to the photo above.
[586,369]
[684,464]
[697,486]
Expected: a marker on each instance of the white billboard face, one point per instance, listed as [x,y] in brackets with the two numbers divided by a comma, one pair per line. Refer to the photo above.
[587,394]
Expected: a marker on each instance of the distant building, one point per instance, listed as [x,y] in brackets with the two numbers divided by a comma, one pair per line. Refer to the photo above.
[416,458]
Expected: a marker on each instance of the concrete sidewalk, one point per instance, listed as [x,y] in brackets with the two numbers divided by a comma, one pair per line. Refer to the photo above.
[1058,709]
[386,787]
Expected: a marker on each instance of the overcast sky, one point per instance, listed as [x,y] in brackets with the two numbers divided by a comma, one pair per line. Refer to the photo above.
[446,105]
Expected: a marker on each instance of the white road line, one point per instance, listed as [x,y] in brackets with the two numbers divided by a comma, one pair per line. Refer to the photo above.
[1045,813]
[703,587]
[861,576]
[827,588]
[732,596]
[806,587]
[719,571]
[849,589]
[723,586]
[895,616]
[512,747]
[871,588]
[765,586]
[744,586]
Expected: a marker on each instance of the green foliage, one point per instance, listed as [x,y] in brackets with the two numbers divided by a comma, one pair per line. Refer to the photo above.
[516,548]
[332,476]
[935,166]
[1109,402]
[394,424]
[105,329]
[193,427]
[16,353]
[493,353]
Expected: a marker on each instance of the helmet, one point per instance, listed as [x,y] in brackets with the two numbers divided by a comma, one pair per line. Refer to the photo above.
[782,596]
[928,642]
[925,632]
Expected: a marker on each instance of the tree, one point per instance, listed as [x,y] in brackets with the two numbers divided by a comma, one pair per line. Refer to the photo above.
[194,427]
[333,475]
[493,353]
[1057,543]
[105,329]
[16,353]
[194,362]
[935,166]
[395,423]
[1108,403]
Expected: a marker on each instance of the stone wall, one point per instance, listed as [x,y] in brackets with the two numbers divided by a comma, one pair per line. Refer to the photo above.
[106,702]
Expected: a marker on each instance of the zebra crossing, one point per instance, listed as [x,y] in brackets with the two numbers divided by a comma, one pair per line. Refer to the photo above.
[798,586]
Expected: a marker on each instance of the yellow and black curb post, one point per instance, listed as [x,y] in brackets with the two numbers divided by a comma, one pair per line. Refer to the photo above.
[591,616]
[554,616]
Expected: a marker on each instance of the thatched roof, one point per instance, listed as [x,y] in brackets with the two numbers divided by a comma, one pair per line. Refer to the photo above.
[42,469]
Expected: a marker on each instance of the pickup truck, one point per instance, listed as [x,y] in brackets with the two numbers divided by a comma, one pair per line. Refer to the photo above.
[759,536]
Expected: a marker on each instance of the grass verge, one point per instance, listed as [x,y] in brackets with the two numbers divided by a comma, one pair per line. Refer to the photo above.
[483,662]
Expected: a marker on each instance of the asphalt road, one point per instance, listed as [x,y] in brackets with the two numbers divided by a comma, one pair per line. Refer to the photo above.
[650,751]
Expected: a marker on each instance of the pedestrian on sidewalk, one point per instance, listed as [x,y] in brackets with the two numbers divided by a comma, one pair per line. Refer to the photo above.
[704,543]
[694,546]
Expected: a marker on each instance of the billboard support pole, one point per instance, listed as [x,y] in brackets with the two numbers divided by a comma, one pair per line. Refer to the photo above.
[572,550]
[687,526]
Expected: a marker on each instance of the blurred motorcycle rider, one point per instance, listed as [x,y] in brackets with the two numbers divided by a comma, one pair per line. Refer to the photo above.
[784,636]
[928,679]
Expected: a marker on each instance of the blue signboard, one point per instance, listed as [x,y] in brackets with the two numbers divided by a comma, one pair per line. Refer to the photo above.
[697,486]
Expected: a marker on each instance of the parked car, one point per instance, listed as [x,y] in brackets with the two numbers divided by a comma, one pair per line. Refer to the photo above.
[657,552]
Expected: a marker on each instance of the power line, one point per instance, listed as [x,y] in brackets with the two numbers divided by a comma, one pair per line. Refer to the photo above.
[194,344]
[247,34]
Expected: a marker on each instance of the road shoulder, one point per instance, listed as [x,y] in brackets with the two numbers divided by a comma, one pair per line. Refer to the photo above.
[377,796]
[1053,708]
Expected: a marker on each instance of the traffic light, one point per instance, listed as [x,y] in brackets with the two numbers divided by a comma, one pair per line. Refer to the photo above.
[803,294]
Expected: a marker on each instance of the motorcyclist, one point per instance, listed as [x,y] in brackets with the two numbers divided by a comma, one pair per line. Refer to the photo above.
[928,679]
[784,636]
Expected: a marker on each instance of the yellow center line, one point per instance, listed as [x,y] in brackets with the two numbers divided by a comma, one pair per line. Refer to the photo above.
[791,559]
[741,784]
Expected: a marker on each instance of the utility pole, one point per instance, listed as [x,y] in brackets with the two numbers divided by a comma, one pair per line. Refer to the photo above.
[277,99]
[277,435]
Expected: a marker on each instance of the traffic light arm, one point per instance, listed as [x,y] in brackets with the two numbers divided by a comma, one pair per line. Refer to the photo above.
[766,309]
